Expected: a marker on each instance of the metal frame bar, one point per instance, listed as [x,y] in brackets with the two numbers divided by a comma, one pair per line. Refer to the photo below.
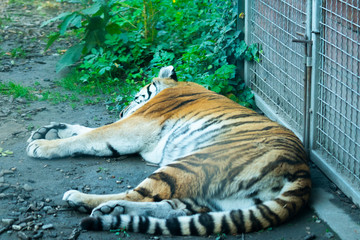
[344,159]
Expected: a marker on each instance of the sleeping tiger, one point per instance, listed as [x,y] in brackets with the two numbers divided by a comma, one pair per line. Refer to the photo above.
[223,168]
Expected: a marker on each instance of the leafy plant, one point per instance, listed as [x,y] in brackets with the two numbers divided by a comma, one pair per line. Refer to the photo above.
[124,44]
[96,21]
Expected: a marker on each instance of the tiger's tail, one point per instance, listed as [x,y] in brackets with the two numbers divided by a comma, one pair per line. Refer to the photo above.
[270,213]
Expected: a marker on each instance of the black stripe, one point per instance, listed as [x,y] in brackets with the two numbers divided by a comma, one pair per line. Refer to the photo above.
[114,152]
[143,191]
[116,221]
[193,229]
[158,230]
[274,215]
[255,223]
[225,228]
[157,198]
[130,227]
[144,224]
[91,223]
[148,92]
[285,205]
[179,105]
[257,201]
[265,215]
[181,167]
[243,115]
[207,221]
[298,174]
[237,217]
[188,206]
[298,192]
[269,168]
[173,225]
[169,180]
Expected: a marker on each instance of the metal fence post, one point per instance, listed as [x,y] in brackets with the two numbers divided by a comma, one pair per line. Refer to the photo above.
[247,32]
[315,34]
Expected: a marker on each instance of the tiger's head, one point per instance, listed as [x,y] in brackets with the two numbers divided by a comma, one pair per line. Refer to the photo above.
[167,78]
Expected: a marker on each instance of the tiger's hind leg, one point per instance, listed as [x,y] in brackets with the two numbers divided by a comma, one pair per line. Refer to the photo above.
[169,182]
[57,130]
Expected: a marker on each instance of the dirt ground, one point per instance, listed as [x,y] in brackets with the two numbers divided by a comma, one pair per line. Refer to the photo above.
[31,189]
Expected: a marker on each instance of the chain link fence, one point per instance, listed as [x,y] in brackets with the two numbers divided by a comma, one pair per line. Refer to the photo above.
[329,117]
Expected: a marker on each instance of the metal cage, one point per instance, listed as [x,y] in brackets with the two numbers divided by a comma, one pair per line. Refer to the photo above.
[314,92]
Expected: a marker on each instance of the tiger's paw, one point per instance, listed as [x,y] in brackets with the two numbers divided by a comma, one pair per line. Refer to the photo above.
[43,149]
[152,209]
[113,207]
[48,132]
[76,200]
[57,131]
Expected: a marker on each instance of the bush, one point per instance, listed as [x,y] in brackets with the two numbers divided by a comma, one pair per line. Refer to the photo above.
[126,43]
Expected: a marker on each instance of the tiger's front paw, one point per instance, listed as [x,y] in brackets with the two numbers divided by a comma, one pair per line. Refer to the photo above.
[77,200]
[42,149]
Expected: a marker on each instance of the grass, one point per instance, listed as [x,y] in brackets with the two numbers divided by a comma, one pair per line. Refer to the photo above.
[17,90]
[80,94]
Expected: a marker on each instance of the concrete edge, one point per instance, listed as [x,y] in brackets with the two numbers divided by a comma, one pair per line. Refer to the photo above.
[335,217]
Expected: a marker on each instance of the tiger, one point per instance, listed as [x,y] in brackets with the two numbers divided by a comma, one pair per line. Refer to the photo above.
[223,168]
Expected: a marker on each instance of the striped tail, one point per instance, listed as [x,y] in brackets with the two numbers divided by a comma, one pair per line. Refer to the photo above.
[260,216]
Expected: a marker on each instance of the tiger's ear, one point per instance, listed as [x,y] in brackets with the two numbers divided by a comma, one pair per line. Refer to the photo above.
[168,72]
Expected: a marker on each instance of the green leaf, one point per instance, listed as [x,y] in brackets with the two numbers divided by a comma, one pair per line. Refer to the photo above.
[92,10]
[113,28]
[76,22]
[66,22]
[51,40]
[62,15]
[71,56]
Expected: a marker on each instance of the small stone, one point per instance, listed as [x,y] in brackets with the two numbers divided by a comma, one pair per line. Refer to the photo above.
[38,235]
[129,187]
[329,235]
[47,200]
[33,207]
[47,226]
[3,172]
[16,227]
[23,209]
[23,224]
[7,221]
[47,208]
[37,226]
[310,237]
[22,236]
[27,187]
[2,179]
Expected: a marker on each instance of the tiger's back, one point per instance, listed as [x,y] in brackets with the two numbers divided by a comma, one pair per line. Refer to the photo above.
[227,167]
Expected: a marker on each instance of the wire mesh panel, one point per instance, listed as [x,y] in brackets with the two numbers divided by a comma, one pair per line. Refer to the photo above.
[279,78]
[338,115]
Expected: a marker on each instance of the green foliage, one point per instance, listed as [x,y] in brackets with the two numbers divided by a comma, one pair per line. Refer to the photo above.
[125,43]
[17,90]
[18,52]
